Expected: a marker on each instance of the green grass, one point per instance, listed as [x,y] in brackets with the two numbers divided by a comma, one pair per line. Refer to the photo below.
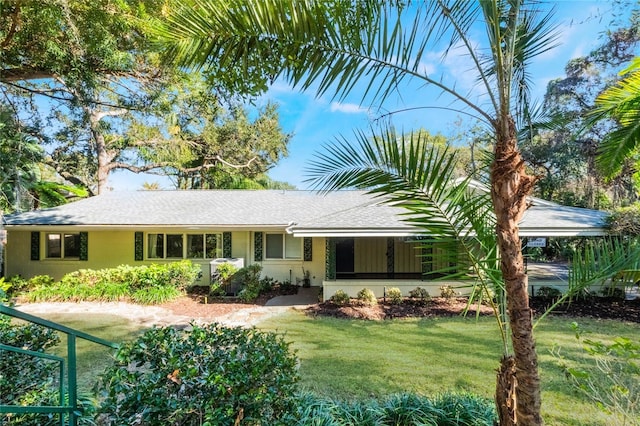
[352,359]
[92,357]
[358,359]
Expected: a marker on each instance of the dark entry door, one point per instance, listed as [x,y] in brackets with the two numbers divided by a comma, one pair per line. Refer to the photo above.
[345,257]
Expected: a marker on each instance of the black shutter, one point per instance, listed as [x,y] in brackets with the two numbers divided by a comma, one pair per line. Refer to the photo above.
[35,246]
[307,249]
[139,246]
[84,246]
[257,246]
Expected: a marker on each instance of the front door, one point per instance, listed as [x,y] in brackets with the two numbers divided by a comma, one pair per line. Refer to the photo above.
[345,257]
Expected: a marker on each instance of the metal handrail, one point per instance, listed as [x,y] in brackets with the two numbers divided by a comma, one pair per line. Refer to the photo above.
[72,377]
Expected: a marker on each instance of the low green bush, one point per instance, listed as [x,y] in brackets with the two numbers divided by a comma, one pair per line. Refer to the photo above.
[447,292]
[147,284]
[208,375]
[367,297]
[420,293]
[394,295]
[340,298]
[249,279]
[405,409]
[548,292]
[25,379]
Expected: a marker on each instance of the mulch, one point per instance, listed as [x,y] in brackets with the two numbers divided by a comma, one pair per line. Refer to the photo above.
[594,307]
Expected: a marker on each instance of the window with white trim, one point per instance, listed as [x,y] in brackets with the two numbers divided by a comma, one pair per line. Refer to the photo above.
[181,246]
[282,246]
[62,246]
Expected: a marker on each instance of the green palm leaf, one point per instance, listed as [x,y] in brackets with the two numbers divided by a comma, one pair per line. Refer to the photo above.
[622,103]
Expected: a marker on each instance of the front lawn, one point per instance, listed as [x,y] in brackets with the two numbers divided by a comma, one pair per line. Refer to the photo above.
[355,359]
[359,359]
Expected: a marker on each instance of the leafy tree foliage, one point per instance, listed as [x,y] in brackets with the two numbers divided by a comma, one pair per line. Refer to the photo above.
[87,79]
[24,181]
[565,155]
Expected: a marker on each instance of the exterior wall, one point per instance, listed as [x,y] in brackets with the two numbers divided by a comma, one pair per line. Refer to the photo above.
[293,269]
[108,249]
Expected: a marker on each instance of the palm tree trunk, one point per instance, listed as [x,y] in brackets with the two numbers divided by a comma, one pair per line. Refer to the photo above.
[510,186]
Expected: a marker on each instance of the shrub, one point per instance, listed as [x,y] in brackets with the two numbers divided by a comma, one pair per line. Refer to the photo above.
[340,298]
[447,292]
[221,279]
[614,292]
[209,375]
[420,293]
[24,379]
[548,292]
[610,377]
[394,295]
[367,297]
[144,284]
[249,278]
[404,409]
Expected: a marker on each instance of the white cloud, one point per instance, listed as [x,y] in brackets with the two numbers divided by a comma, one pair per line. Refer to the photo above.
[348,108]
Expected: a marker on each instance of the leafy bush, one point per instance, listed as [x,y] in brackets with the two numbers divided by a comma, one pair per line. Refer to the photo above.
[626,220]
[147,284]
[340,298]
[367,297]
[25,379]
[614,292]
[209,375]
[394,295]
[420,293]
[249,278]
[611,376]
[548,292]
[404,409]
[447,292]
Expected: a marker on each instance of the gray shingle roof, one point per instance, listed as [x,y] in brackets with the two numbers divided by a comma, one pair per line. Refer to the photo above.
[307,211]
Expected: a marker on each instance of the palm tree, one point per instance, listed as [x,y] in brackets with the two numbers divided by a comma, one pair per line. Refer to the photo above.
[373,47]
[620,102]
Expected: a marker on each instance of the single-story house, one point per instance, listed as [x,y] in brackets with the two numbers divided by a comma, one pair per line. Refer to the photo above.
[344,240]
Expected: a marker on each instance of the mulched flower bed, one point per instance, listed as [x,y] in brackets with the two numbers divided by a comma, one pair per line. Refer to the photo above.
[603,308]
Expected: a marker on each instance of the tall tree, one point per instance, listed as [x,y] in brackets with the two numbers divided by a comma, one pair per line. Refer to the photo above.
[93,65]
[565,155]
[375,48]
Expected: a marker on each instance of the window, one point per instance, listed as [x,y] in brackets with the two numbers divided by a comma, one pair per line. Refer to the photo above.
[283,246]
[208,246]
[63,246]
[178,246]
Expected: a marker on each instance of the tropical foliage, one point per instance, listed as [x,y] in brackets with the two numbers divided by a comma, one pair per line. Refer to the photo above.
[373,48]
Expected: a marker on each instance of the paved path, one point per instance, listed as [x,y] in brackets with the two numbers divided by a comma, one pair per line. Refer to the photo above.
[148,316]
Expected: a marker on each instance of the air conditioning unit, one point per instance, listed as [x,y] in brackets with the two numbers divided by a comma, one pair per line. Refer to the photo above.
[231,289]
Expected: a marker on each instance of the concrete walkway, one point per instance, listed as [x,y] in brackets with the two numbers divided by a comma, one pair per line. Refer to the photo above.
[148,316]
[305,296]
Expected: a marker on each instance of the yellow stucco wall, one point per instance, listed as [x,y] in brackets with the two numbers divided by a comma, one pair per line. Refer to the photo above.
[107,249]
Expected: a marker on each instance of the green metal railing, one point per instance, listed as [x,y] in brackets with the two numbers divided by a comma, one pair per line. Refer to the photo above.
[68,407]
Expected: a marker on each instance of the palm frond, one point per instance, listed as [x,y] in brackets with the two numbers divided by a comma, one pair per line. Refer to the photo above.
[620,102]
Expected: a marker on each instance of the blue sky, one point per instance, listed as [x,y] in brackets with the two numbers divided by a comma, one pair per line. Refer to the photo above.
[314,121]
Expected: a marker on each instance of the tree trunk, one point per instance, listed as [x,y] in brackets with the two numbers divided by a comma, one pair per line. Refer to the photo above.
[510,186]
